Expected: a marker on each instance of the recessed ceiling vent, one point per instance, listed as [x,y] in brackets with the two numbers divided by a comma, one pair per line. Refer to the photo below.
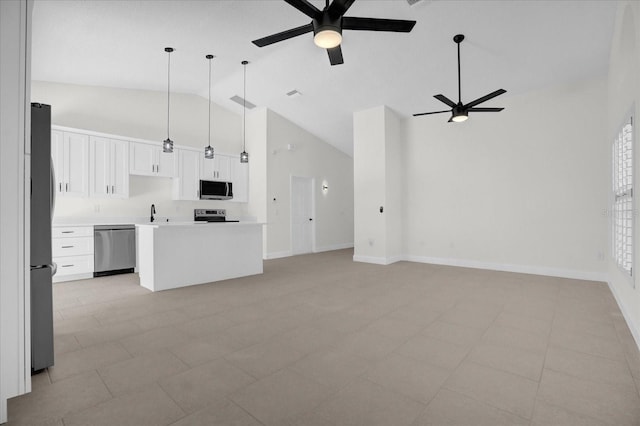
[412,2]
[238,99]
[293,94]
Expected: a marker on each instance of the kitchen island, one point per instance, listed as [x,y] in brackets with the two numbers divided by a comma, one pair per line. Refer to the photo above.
[180,254]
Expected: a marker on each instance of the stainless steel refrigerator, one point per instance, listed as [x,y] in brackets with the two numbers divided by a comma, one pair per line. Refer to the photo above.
[42,266]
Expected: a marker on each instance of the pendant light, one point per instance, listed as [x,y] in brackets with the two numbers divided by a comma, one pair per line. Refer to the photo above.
[208,150]
[244,156]
[167,144]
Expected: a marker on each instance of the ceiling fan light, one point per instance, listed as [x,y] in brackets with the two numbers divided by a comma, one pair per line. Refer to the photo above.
[459,118]
[327,38]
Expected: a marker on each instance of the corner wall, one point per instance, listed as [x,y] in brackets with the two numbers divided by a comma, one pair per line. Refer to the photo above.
[292,151]
[15,60]
[624,97]
[522,190]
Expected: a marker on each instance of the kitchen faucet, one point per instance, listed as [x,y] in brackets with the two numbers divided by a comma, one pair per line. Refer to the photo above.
[153,211]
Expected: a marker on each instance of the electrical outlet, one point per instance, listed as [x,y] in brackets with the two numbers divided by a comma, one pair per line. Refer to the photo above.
[600,255]
[371,242]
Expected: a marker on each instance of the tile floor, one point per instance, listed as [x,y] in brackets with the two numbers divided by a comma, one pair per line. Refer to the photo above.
[321,340]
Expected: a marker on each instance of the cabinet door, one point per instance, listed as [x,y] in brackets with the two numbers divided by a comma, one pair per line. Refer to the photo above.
[208,167]
[142,159]
[57,154]
[76,167]
[223,167]
[186,186]
[99,170]
[166,163]
[119,169]
[240,179]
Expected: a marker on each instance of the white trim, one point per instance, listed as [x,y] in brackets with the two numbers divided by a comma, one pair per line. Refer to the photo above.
[635,332]
[377,260]
[523,269]
[332,247]
[277,255]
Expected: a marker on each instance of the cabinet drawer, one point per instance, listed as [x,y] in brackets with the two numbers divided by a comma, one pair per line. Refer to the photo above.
[72,246]
[71,231]
[71,265]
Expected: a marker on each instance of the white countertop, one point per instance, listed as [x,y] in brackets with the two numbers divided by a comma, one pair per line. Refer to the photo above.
[90,221]
[196,224]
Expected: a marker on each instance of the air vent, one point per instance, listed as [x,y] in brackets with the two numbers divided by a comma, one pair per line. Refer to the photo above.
[238,99]
[294,93]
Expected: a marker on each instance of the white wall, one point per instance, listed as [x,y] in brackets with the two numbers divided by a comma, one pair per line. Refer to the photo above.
[309,157]
[524,189]
[378,182]
[624,96]
[15,40]
[140,114]
[257,150]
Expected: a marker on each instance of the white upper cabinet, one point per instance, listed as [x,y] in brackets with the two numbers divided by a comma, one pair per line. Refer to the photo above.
[70,154]
[187,185]
[218,168]
[148,160]
[240,180]
[109,168]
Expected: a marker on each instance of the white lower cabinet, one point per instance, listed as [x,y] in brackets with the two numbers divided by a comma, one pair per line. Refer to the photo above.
[72,249]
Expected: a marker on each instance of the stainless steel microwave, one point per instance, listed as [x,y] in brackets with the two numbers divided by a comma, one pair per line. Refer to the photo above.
[215,190]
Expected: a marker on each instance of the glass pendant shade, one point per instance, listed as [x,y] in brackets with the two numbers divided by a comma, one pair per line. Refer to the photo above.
[208,153]
[244,157]
[167,144]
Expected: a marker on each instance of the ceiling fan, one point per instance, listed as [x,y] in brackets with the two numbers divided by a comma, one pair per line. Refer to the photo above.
[327,25]
[460,111]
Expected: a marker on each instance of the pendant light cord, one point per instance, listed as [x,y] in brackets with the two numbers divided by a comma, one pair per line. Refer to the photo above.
[244,109]
[168,90]
[209,101]
[459,91]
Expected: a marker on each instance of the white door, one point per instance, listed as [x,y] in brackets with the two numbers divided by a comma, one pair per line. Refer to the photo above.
[100,175]
[302,215]
[119,169]
[187,185]
[76,157]
[142,159]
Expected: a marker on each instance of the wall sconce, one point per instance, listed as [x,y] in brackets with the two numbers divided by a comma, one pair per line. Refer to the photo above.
[325,187]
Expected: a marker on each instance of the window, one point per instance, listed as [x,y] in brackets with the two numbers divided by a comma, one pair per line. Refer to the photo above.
[623,197]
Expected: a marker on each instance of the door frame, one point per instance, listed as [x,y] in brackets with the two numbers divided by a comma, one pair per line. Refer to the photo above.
[313,212]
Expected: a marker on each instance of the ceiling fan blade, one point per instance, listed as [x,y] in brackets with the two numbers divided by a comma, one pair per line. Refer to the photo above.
[305,7]
[376,24]
[485,98]
[443,98]
[335,55]
[485,109]
[285,35]
[339,8]
[429,113]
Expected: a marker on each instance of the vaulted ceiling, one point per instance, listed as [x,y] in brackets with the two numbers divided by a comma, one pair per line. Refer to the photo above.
[515,45]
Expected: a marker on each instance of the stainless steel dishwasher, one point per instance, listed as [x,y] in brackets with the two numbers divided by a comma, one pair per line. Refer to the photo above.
[114,249]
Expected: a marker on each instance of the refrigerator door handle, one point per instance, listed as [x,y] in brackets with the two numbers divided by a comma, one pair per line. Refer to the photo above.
[53,189]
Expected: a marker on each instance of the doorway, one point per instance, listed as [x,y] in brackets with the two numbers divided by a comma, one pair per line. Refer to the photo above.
[302,215]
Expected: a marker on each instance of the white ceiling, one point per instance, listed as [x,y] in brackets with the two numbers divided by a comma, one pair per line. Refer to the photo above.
[515,45]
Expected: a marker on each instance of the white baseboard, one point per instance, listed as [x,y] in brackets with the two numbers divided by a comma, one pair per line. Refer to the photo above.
[377,260]
[633,328]
[277,255]
[333,247]
[522,269]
